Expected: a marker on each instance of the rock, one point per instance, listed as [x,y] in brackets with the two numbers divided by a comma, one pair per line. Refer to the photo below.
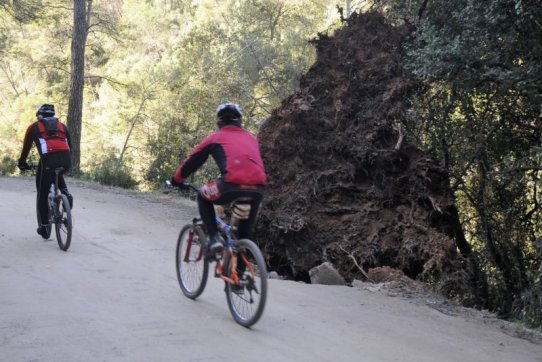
[326,274]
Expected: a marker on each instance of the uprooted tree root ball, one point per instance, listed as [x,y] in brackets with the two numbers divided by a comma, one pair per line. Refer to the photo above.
[344,186]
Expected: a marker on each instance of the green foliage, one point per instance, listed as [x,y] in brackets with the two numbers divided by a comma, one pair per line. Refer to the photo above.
[7,166]
[155,71]
[528,308]
[20,10]
[479,111]
[108,171]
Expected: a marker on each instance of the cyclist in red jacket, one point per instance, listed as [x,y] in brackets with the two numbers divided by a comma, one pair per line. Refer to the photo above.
[52,140]
[237,154]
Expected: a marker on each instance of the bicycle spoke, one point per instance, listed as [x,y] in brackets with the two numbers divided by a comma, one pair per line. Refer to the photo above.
[192,268]
[247,300]
[63,222]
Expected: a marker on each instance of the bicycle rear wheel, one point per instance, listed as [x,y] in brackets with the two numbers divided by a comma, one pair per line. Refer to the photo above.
[63,222]
[192,268]
[246,301]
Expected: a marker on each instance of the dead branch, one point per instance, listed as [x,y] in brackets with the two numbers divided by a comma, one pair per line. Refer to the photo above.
[400,140]
[435,205]
[356,264]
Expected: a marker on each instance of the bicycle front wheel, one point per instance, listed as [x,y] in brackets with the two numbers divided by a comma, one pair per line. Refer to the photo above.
[192,267]
[63,222]
[246,300]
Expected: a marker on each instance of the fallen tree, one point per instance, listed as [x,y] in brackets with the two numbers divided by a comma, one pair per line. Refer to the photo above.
[344,185]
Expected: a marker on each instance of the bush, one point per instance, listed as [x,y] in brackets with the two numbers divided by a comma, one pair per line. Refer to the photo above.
[7,166]
[108,172]
[528,308]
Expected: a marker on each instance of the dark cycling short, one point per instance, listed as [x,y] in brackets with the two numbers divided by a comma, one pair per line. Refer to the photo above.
[221,193]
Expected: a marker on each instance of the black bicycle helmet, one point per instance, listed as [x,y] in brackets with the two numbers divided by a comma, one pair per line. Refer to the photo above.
[46,110]
[229,113]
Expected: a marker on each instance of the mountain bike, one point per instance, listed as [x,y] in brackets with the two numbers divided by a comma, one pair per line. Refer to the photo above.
[240,265]
[59,213]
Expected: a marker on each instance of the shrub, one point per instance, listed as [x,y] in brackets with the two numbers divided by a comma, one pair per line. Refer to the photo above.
[528,308]
[109,172]
[7,166]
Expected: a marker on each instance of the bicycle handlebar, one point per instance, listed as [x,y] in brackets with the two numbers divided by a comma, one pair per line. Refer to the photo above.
[188,184]
[30,167]
[33,166]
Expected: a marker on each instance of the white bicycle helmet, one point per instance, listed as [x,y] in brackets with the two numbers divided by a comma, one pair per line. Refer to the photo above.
[229,112]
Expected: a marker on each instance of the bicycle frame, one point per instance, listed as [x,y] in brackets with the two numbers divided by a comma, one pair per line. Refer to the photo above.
[227,253]
[56,191]
[230,245]
[56,194]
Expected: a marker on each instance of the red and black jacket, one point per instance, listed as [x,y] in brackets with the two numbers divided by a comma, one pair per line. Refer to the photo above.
[44,141]
[236,152]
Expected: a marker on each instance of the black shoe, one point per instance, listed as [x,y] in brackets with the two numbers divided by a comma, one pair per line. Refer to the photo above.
[214,246]
[69,196]
[43,230]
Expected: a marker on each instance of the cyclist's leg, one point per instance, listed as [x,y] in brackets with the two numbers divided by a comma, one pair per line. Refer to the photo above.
[246,225]
[207,195]
[65,190]
[220,193]
[44,178]
[231,192]
[207,213]
[62,159]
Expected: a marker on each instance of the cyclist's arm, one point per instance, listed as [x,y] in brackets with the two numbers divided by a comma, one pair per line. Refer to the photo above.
[27,143]
[194,161]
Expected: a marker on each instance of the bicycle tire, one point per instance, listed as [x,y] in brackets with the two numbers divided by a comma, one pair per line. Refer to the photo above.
[192,267]
[63,222]
[247,308]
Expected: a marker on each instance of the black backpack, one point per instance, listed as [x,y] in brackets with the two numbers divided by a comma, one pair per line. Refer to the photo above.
[51,127]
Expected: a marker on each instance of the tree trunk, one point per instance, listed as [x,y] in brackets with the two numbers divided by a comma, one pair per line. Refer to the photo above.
[75,104]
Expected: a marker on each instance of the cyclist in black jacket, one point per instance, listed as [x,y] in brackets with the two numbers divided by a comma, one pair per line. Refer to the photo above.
[52,139]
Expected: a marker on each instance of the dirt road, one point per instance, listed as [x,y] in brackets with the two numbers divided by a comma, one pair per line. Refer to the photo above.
[114,297]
